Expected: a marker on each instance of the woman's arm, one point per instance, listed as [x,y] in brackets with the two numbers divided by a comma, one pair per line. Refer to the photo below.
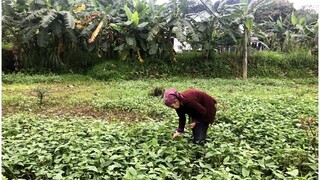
[182,121]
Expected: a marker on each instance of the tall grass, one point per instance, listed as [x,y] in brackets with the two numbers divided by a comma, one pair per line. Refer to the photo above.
[226,65]
[275,64]
[188,64]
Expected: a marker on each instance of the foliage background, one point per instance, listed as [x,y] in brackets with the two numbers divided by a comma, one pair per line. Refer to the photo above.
[73,36]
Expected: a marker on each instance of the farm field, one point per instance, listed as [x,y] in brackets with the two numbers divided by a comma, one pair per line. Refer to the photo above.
[75,127]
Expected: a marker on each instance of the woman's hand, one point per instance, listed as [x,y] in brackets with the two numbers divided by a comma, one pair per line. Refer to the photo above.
[176,134]
[192,125]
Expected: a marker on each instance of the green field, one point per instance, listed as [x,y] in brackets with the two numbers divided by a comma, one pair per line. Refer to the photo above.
[74,127]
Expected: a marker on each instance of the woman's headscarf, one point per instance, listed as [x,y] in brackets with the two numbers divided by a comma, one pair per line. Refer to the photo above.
[170,96]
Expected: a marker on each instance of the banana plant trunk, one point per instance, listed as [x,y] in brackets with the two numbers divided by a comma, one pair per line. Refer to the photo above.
[245,55]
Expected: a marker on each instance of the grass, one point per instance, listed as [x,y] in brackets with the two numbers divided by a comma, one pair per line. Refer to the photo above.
[261,131]
[69,90]
[264,64]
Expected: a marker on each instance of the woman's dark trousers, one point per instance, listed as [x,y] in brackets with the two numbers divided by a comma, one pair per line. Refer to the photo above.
[200,132]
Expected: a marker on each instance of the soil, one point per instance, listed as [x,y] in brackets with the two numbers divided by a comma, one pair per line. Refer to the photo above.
[79,110]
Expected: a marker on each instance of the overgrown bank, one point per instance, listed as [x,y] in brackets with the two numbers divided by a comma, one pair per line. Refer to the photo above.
[190,64]
[227,65]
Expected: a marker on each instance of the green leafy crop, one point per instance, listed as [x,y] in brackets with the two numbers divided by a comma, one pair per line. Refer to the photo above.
[265,129]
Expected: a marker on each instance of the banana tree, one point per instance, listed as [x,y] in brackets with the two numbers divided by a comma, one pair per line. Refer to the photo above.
[242,14]
[45,26]
[144,29]
[216,31]
[278,34]
[12,14]
[119,26]
[304,34]
[134,30]
[93,22]
[166,22]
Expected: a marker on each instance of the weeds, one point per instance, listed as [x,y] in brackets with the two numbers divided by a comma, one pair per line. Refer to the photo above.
[261,64]
[40,93]
[309,125]
[158,91]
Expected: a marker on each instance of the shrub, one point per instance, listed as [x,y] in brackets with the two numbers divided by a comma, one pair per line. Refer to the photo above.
[106,70]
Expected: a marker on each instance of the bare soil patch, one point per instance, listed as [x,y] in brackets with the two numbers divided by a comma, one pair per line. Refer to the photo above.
[79,110]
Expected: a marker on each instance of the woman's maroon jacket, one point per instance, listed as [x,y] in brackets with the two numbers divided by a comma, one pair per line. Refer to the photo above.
[198,105]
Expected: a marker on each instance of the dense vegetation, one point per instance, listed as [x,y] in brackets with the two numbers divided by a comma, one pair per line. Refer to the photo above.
[226,65]
[88,129]
[72,36]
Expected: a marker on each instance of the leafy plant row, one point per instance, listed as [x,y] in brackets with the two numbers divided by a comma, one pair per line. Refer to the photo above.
[252,138]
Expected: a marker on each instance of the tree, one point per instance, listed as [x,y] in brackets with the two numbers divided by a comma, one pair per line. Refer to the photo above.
[143,29]
[215,30]
[280,9]
[41,25]
[48,30]
[13,13]
[304,34]
[242,14]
